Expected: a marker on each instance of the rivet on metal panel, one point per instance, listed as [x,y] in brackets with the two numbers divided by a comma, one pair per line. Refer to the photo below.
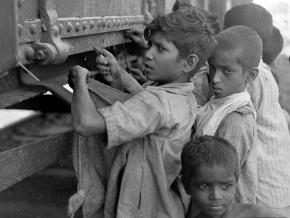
[61,28]
[40,54]
[85,25]
[69,27]
[55,31]
[77,27]
[92,24]
[100,23]
[29,53]
[118,22]
[123,22]
[109,23]
[32,29]
[20,29]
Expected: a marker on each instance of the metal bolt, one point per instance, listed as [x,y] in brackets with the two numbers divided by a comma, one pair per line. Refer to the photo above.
[32,29]
[40,54]
[99,23]
[109,23]
[77,27]
[92,24]
[55,31]
[61,28]
[69,27]
[29,53]
[85,25]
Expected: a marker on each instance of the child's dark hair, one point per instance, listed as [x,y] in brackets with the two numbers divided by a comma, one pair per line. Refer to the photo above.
[243,40]
[187,30]
[208,150]
[211,18]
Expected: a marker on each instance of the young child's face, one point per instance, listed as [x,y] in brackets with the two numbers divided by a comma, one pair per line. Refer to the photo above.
[227,76]
[212,189]
[162,62]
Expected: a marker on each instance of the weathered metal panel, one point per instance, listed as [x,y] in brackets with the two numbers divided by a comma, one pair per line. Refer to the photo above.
[8,36]
[25,160]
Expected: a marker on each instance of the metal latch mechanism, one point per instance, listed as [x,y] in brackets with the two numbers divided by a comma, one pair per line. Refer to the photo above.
[52,49]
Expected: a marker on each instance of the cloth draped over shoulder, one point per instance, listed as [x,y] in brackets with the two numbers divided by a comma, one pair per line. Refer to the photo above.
[233,118]
[98,170]
[211,114]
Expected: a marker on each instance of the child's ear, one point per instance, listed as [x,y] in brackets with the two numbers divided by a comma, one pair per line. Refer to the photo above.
[191,63]
[252,74]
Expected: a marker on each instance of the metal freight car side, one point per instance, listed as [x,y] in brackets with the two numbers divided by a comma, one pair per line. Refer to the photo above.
[48,37]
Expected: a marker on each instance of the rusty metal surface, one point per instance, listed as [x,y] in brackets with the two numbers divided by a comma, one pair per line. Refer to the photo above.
[8,35]
[25,160]
[11,91]
[50,25]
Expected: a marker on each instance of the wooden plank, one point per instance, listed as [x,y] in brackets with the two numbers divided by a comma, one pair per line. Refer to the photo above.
[25,160]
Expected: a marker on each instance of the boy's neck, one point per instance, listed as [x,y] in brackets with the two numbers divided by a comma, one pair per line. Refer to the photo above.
[184,79]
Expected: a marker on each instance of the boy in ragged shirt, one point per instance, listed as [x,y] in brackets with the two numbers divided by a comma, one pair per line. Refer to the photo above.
[230,113]
[156,122]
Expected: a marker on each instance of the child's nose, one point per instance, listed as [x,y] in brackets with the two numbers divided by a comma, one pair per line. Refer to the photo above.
[217,76]
[149,54]
[215,194]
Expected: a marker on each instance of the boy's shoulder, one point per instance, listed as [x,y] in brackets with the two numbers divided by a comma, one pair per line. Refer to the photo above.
[253,210]
[241,118]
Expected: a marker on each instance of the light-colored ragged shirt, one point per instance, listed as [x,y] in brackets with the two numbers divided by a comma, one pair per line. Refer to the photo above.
[239,128]
[273,141]
[158,123]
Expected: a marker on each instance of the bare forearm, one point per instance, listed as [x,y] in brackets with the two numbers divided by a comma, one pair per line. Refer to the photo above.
[130,84]
[87,120]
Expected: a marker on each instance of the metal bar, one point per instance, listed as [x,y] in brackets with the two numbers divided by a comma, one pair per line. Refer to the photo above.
[25,160]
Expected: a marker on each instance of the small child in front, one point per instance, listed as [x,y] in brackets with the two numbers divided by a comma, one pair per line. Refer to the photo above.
[156,123]
[210,173]
[230,113]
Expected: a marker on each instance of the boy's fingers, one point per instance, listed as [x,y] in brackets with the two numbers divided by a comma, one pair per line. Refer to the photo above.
[102,68]
[134,32]
[107,54]
[101,60]
[135,71]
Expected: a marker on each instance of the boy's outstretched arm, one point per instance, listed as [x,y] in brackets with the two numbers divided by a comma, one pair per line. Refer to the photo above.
[87,120]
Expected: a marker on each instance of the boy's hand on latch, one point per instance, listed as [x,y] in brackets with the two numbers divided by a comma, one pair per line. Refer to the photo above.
[137,36]
[78,75]
[108,66]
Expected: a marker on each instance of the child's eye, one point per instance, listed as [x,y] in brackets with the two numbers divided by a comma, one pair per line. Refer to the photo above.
[160,48]
[203,186]
[227,71]
[226,186]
